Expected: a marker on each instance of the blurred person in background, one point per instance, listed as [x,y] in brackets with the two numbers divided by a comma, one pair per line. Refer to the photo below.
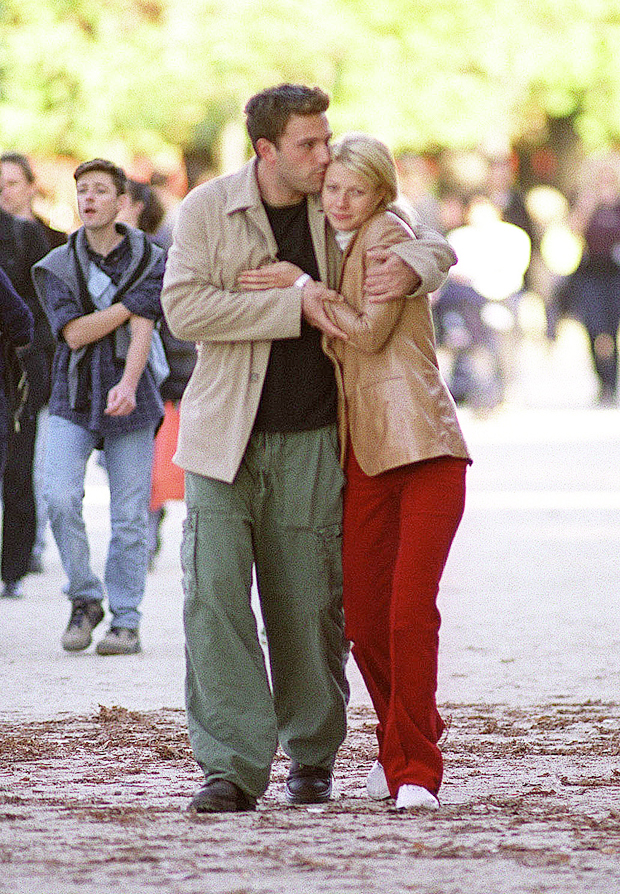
[18,192]
[508,198]
[592,293]
[16,331]
[493,255]
[142,208]
[22,244]
[162,189]
[477,310]
[102,294]
[418,186]
[502,190]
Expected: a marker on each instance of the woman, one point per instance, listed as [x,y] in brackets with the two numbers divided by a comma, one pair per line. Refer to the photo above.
[405,460]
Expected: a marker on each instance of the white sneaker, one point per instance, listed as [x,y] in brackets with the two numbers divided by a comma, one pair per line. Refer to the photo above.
[414,797]
[376,783]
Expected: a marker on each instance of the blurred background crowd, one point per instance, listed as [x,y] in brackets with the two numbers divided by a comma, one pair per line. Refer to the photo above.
[537,236]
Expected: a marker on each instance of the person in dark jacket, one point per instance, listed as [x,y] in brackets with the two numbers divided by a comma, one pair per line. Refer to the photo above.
[592,292]
[18,189]
[21,246]
[16,331]
[18,192]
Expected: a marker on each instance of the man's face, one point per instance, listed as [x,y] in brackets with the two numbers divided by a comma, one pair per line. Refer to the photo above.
[301,157]
[16,193]
[97,199]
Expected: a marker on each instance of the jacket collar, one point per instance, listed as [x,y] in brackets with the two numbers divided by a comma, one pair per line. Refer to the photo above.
[244,192]
[244,195]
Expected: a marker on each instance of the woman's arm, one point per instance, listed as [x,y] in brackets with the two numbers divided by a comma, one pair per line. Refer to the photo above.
[368,323]
[369,328]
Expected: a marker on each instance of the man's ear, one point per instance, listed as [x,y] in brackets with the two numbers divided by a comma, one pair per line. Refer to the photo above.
[265,149]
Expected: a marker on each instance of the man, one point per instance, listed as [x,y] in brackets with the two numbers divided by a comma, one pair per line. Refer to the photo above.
[21,246]
[259,446]
[102,295]
[18,189]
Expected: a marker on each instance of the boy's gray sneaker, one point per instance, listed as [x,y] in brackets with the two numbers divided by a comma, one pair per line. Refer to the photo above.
[119,641]
[85,615]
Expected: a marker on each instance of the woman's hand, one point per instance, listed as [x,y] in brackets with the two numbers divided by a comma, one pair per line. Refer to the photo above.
[315,300]
[279,275]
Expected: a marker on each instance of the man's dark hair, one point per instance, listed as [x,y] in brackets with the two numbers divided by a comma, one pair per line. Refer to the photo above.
[16,158]
[107,167]
[267,112]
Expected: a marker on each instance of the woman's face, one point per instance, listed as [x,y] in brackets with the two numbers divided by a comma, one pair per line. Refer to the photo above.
[349,198]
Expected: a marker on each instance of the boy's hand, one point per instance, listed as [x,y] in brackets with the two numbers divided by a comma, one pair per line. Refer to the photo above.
[121,400]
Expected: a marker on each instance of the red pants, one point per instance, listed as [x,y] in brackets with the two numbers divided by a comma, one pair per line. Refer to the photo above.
[398,529]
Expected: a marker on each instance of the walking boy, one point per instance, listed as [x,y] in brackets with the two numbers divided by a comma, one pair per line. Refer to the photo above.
[101,292]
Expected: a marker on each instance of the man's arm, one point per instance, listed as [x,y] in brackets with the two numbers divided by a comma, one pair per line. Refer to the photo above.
[142,300]
[201,298]
[282,275]
[412,268]
[122,398]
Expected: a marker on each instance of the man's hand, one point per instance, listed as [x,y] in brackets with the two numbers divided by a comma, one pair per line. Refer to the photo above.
[312,297]
[387,276]
[279,275]
[121,400]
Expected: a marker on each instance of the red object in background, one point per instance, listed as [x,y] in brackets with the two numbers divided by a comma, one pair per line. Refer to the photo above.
[168,481]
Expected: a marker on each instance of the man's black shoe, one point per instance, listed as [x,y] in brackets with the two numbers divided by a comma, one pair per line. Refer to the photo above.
[221,796]
[308,785]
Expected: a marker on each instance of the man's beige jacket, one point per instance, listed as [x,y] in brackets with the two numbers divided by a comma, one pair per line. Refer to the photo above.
[223,229]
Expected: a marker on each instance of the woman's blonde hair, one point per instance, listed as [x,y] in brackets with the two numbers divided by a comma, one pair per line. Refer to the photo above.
[372,159]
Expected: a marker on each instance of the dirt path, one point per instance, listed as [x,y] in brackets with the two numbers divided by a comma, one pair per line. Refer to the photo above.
[531,803]
[92,799]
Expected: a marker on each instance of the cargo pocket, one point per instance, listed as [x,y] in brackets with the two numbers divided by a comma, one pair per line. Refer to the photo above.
[189,551]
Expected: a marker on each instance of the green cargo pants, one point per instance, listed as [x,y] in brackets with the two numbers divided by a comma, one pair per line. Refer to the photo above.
[283,514]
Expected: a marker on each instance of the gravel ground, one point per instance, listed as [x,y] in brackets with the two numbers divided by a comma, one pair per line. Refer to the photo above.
[530,804]
[95,766]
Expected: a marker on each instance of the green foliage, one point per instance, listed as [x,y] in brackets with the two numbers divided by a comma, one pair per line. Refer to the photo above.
[77,76]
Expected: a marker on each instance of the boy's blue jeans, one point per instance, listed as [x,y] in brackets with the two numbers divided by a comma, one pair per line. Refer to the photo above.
[128,459]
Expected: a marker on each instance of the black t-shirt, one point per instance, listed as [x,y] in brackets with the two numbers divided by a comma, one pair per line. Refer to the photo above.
[299,392]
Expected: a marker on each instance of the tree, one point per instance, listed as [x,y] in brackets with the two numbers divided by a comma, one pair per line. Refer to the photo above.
[82,77]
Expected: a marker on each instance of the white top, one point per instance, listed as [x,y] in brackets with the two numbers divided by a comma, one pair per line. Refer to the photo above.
[343,238]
